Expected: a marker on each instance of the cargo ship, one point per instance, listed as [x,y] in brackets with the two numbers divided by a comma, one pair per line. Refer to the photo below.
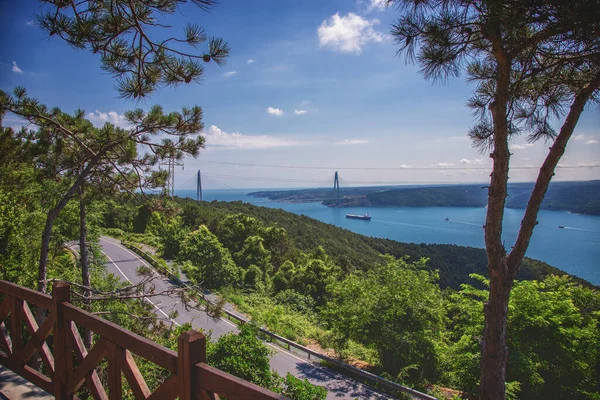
[365,217]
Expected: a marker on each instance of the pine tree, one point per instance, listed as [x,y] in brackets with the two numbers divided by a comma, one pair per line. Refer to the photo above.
[536,63]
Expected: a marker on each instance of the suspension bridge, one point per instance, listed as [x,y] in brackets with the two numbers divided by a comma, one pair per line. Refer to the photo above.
[321,190]
[314,190]
[327,189]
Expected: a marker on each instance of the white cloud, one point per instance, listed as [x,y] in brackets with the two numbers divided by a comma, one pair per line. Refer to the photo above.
[275,111]
[379,5]
[581,136]
[98,119]
[30,22]
[229,74]
[405,166]
[305,102]
[352,141]
[475,161]
[444,164]
[348,34]
[300,112]
[250,61]
[15,68]
[589,164]
[216,137]
[591,141]
[520,146]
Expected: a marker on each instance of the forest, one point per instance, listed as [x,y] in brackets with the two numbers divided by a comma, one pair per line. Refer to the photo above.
[383,306]
[411,313]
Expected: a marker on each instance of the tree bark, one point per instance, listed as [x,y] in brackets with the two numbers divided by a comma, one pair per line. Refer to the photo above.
[84,262]
[494,352]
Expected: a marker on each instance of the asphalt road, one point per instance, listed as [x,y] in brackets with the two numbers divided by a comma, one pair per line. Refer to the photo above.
[123,263]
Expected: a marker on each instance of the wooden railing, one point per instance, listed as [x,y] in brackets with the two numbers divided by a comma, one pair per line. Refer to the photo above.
[63,364]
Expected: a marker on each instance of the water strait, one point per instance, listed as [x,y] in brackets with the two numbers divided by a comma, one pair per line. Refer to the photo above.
[574,249]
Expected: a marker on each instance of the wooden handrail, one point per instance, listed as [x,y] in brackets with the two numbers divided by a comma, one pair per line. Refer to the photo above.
[191,378]
[160,355]
[25,294]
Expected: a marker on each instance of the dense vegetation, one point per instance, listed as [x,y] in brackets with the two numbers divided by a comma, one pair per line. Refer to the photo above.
[349,250]
[577,197]
[325,286]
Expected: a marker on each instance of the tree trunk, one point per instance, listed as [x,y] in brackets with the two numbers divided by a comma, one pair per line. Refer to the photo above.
[503,269]
[84,261]
[47,233]
[495,351]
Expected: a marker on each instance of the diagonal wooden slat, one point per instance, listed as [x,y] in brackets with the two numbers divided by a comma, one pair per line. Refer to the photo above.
[32,375]
[88,362]
[132,373]
[40,345]
[5,342]
[42,334]
[169,390]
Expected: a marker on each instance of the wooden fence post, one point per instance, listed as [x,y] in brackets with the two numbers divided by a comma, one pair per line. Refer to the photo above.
[191,350]
[61,293]
[16,326]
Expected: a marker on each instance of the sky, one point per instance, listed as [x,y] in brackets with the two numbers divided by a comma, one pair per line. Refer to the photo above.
[311,87]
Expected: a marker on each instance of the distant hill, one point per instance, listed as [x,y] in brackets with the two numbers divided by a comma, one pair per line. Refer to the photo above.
[581,197]
[352,250]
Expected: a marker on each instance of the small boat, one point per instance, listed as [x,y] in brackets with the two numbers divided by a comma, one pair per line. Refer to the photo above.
[365,217]
[447,219]
[561,226]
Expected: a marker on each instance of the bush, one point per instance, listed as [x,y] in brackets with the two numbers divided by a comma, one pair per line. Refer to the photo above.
[295,301]
[299,389]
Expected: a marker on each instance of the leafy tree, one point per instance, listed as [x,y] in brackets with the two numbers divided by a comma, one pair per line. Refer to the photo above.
[295,301]
[534,63]
[254,253]
[242,355]
[300,389]
[234,229]
[125,35]
[212,262]
[278,242]
[75,150]
[313,277]
[396,307]
[253,278]
[171,235]
[18,245]
[282,279]
[553,338]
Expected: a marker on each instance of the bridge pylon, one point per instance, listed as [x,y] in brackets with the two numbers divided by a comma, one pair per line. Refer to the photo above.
[199,186]
[336,188]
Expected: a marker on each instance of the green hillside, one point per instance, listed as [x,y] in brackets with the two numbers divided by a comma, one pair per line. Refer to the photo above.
[352,250]
[578,197]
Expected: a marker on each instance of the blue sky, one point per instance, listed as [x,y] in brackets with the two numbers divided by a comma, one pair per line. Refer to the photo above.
[311,83]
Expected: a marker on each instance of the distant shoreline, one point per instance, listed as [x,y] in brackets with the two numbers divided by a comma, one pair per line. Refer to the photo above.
[576,197]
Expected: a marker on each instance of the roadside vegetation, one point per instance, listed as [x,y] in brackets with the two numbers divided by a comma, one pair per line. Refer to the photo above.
[390,316]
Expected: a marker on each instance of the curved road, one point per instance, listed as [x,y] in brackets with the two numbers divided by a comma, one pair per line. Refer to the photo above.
[123,263]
